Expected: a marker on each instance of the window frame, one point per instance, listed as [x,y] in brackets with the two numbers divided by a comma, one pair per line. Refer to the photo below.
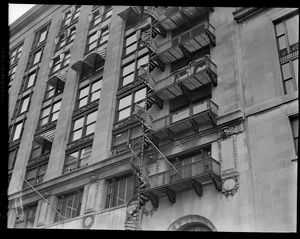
[99,42]
[102,17]
[287,50]
[74,13]
[27,79]
[59,63]
[83,127]
[113,190]
[36,178]
[88,85]
[28,218]
[14,128]
[18,50]
[12,157]
[62,204]
[295,131]
[37,36]
[31,58]
[132,104]
[51,113]
[139,52]
[78,160]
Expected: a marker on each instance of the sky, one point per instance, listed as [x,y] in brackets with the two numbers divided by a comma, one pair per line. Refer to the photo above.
[17,10]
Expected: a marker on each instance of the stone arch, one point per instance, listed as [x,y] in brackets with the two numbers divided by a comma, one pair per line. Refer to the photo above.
[188,222]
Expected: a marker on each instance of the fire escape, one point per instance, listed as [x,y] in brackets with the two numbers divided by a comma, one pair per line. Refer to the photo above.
[181,82]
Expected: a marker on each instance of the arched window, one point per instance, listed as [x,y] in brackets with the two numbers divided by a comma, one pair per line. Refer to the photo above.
[192,222]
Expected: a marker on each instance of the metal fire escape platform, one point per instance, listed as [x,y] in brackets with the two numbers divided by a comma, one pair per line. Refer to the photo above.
[193,176]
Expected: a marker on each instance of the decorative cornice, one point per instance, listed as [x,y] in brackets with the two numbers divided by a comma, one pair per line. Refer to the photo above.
[243,13]
[34,13]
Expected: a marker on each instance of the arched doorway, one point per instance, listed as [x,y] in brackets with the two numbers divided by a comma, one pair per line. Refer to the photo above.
[192,222]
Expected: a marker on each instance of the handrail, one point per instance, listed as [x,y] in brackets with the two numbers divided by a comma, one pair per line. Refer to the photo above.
[209,101]
[209,160]
[205,59]
[128,214]
[206,24]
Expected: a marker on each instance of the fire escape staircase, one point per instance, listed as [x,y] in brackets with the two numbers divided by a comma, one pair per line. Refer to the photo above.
[148,142]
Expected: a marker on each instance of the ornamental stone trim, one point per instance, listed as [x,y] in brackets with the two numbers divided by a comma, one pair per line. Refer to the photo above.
[181,222]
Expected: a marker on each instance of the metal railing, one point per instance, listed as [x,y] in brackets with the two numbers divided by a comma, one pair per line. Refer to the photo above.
[186,113]
[189,171]
[183,73]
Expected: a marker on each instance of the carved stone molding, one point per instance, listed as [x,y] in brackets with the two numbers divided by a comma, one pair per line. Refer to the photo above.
[93,178]
[226,132]
[230,185]
[88,221]
[229,177]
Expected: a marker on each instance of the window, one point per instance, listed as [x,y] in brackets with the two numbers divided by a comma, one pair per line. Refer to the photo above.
[120,191]
[198,95]
[182,62]
[65,38]
[122,139]
[83,126]
[97,38]
[89,93]
[17,130]
[34,58]
[190,164]
[28,221]
[15,54]
[126,105]
[99,14]
[52,91]
[39,150]
[295,130]
[69,205]
[287,35]
[135,55]
[60,61]
[35,175]
[71,15]
[40,36]
[12,158]
[77,159]
[50,113]
[29,80]
[12,72]
[24,104]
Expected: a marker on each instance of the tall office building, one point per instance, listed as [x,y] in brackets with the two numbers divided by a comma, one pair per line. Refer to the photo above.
[154,118]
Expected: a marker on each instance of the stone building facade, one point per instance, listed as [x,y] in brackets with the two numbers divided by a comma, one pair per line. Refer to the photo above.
[154,118]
